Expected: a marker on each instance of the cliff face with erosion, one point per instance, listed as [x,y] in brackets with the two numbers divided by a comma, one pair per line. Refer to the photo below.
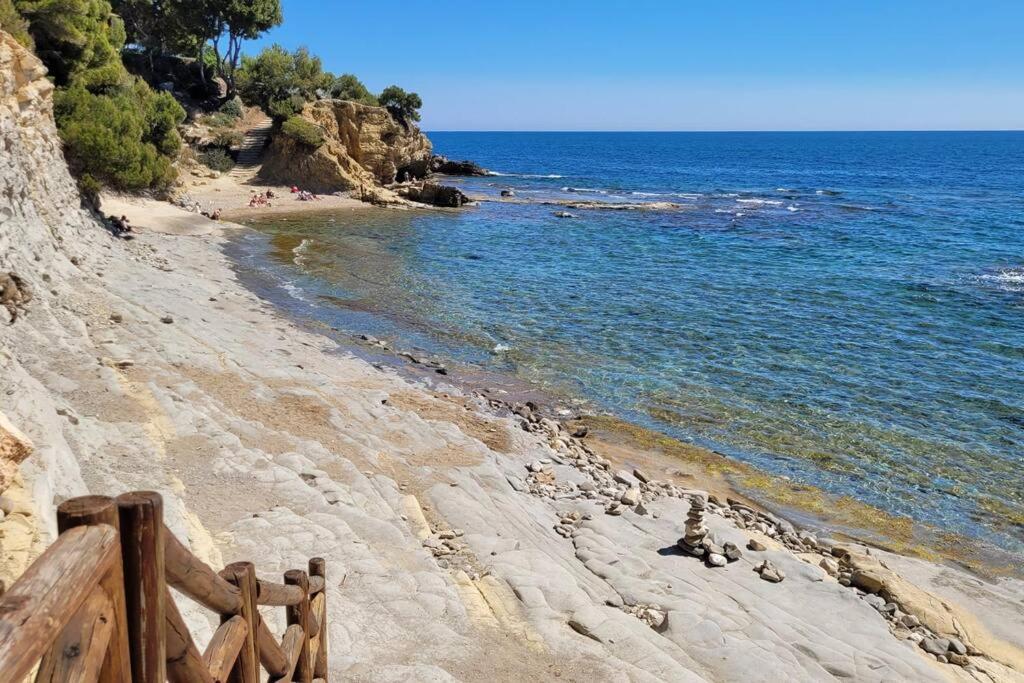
[40,222]
[363,147]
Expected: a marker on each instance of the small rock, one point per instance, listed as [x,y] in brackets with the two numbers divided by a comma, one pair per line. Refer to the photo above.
[910,621]
[958,659]
[167,320]
[769,572]
[614,509]
[935,646]
[641,476]
[716,560]
[631,497]
[623,477]
[876,601]
[732,551]
[830,566]
[755,545]
[640,509]
[116,317]
[536,466]
[581,431]
[957,647]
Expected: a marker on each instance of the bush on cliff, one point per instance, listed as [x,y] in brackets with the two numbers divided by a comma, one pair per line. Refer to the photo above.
[301,130]
[348,87]
[123,140]
[404,106]
[116,130]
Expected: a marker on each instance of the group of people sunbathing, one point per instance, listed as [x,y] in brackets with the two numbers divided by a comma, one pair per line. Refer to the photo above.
[303,195]
[262,199]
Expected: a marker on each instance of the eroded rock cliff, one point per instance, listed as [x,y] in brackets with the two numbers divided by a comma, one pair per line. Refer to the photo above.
[364,147]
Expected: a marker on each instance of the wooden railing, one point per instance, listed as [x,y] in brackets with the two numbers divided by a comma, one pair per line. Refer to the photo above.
[97,606]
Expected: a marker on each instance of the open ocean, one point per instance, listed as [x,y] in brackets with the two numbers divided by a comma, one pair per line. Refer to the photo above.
[846,309]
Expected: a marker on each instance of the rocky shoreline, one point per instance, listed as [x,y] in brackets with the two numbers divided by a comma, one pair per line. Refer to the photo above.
[145,364]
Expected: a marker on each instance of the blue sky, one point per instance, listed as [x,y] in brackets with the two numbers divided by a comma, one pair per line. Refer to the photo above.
[679,64]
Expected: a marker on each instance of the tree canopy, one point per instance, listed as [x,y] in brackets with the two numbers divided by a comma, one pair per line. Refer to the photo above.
[404,106]
[281,82]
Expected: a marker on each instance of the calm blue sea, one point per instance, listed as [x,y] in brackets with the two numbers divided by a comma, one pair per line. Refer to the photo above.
[846,309]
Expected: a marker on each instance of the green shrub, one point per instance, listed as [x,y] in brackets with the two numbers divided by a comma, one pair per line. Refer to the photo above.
[348,87]
[228,138]
[232,108]
[301,130]
[217,159]
[124,139]
[219,120]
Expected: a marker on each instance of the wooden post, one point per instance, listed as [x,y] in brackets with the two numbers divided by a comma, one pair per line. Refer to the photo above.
[299,614]
[247,666]
[142,546]
[318,567]
[88,511]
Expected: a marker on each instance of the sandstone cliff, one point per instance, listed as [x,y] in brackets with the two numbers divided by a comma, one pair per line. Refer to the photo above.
[363,147]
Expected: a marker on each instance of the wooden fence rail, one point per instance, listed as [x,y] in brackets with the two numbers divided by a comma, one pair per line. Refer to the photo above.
[97,606]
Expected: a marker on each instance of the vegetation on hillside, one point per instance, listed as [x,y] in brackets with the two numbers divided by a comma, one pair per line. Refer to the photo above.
[348,87]
[282,82]
[117,132]
[15,24]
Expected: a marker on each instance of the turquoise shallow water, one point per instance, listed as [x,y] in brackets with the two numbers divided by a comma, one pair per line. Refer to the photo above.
[845,309]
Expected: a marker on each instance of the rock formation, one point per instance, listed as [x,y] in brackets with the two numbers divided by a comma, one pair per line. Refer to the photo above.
[435,195]
[363,146]
[441,164]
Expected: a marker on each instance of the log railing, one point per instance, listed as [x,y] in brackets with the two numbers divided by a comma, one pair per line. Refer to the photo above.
[97,606]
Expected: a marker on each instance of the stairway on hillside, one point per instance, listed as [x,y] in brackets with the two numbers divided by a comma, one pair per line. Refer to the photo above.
[251,151]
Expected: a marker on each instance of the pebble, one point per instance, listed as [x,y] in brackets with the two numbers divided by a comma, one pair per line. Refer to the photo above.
[167,320]
[830,566]
[956,646]
[116,317]
[641,476]
[756,545]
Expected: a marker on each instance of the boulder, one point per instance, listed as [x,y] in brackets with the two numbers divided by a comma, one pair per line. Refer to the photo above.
[435,195]
[440,164]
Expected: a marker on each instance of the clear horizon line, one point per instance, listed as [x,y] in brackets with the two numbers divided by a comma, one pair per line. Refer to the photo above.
[668,130]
